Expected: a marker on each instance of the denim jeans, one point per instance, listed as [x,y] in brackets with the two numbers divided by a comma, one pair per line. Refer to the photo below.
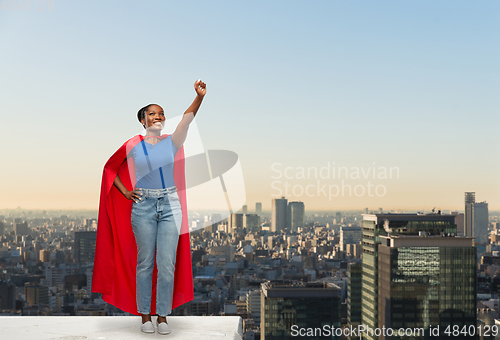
[156,223]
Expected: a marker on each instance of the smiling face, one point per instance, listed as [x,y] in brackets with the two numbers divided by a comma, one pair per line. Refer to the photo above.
[154,118]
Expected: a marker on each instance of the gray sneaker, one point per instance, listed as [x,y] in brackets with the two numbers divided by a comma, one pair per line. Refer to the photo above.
[148,327]
[163,328]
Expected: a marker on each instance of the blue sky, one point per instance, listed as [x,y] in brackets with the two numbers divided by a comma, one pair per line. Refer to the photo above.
[407,84]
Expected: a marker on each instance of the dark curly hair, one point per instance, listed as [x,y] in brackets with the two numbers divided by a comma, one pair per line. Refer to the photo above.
[141,114]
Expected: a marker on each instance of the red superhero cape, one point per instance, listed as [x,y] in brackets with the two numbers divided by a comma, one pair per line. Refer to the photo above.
[115,261]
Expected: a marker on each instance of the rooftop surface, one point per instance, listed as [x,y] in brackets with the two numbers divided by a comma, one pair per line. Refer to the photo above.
[117,327]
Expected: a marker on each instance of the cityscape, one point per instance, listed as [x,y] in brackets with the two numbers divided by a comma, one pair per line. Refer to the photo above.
[289,272]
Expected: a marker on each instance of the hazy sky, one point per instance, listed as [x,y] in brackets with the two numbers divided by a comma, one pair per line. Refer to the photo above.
[408,85]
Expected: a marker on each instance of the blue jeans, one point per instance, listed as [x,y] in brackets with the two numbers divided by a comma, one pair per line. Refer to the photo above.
[156,223]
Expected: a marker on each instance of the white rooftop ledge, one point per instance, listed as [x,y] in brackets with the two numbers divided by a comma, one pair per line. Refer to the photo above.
[117,327]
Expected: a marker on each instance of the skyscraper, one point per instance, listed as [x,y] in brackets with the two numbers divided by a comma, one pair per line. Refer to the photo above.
[470,199]
[251,222]
[278,216]
[36,294]
[236,222]
[253,305]
[460,222]
[258,208]
[426,281]
[285,306]
[85,246]
[476,218]
[374,228]
[7,295]
[21,227]
[354,294]
[295,216]
[481,222]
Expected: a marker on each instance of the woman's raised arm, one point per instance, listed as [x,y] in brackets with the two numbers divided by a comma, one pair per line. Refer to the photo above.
[180,133]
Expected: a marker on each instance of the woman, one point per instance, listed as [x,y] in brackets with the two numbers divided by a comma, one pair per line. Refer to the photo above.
[143,205]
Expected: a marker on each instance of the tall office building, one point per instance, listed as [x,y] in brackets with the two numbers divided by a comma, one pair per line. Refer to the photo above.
[251,222]
[278,215]
[44,255]
[426,281]
[21,227]
[85,246]
[354,271]
[312,305]
[7,295]
[2,228]
[476,218]
[36,294]
[235,222]
[377,225]
[258,208]
[481,222]
[295,216]
[470,199]
[460,222]
[253,305]
[244,209]
[349,235]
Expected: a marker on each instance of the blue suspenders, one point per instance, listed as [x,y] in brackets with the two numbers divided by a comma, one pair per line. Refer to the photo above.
[149,164]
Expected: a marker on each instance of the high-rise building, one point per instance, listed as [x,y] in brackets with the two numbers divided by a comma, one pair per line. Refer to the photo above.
[426,282]
[7,295]
[476,218]
[235,222]
[285,306]
[349,235]
[251,222]
[295,216]
[278,215]
[36,294]
[244,209]
[21,227]
[481,222]
[258,208]
[470,199]
[460,222]
[85,246]
[2,228]
[253,305]
[377,225]
[44,255]
[354,294]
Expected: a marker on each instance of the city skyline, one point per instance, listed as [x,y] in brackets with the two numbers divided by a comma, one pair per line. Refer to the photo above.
[365,87]
[263,276]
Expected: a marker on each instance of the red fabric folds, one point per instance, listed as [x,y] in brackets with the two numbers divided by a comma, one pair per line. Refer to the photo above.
[115,261]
